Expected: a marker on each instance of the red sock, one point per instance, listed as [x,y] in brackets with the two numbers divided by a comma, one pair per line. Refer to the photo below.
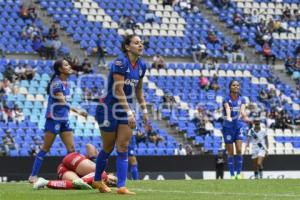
[89,178]
[60,184]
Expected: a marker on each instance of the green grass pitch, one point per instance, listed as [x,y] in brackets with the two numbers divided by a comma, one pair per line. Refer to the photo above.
[167,190]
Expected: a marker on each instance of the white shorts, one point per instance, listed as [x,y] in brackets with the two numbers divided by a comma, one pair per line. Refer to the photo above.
[258,152]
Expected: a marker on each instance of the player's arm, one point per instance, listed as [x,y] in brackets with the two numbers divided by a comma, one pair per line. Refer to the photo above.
[119,92]
[247,144]
[243,113]
[227,111]
[267,143]
[62,100]
[141,100]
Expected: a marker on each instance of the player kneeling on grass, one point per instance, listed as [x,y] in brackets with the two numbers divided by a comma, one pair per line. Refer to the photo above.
[259,147]
[76,172]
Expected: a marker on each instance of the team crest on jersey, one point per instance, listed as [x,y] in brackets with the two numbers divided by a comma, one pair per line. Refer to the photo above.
[118,63]
[57,127]
[128,70]
[228,137]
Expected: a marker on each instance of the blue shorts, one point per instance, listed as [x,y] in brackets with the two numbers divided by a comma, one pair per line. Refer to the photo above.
[232,132]
[57,127]
[109,121]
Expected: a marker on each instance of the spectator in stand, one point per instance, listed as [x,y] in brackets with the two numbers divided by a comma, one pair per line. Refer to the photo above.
[212,38]
[57,44]
[2,51]
[100,52]
[53,32]
[227,52]
[20,72]
[267,53]
[18,115]
[180,151]
[286,14]
[127,22]
[32,12]
[204,82]
[37,45]
[152,135]
[9,142]
[29,72]
[158,62]
[87,66]
[23,12]
[9,73]
[140,136]
[168,100]
[199,52]
[200,120]
[238,19]
[49,48]
[189,149]
[214,85]
[237,50]
[290,65]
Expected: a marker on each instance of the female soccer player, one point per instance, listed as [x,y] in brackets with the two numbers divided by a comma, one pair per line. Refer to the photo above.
[57,114]
[115,117]
[76,172]
[259,147]
[233,125]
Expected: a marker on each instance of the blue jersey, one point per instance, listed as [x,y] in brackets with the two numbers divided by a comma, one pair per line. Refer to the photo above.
[132,75]
[235,106]
[55,110]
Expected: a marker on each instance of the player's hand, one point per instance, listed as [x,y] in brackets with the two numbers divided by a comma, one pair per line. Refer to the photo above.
[145,118]
[131,121]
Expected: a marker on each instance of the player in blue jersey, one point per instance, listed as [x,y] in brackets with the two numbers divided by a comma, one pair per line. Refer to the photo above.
[115,117]
[132,158]
[233,126]
[57,114]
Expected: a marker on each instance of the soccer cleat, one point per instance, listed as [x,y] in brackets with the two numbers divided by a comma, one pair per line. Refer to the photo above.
[32,179]
[40,183]
[124,190]
[80,184]
[238,177]
[101,186]
[232,177]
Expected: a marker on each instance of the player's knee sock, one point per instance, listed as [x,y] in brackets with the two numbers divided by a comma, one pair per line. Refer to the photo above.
[38,163]
[260,171]
[134,172]
[60,184]
[230,163]
[122,167]
[88,178]
[100,164]
[239,163]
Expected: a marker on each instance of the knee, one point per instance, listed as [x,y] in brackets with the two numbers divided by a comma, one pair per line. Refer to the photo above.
[238,152]
[108,148]
[122,147]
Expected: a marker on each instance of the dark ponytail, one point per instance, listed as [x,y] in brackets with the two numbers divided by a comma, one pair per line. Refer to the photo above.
[127,41]
[56,66]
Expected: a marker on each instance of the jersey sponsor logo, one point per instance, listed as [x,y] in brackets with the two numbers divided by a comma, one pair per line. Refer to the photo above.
[131,82]
[118,63]
[106,123]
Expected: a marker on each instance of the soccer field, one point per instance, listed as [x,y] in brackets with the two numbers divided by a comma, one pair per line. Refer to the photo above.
[165,190]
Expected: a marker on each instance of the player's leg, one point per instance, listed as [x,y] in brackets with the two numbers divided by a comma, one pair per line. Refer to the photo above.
[230,159]
[239,158]
[124,134]
[255,168]
[85,167]
[67,137]
[260,167]
[108,138]
[133,167]
[49,138]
